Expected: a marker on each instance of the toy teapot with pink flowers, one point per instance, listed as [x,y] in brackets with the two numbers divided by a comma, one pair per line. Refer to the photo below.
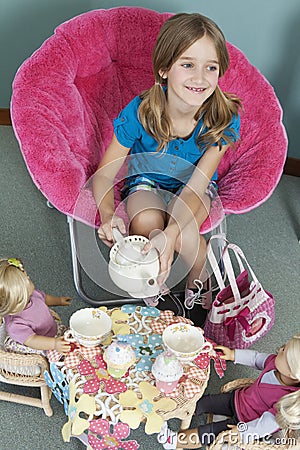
[130,269]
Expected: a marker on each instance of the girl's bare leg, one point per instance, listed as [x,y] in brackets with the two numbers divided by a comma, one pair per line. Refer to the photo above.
[146,211]
[192,246]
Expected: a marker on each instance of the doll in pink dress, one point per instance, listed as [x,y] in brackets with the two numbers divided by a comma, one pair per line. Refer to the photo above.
[29,324]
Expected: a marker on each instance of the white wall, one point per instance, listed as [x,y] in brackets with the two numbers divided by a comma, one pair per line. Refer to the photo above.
[268,32]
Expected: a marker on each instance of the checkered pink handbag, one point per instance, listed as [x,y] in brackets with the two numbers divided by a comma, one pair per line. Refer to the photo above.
[243,311]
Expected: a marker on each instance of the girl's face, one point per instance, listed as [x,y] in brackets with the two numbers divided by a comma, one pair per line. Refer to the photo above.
[193,77]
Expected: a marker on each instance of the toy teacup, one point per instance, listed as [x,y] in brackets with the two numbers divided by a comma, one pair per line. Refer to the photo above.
[89,327]
[185,341]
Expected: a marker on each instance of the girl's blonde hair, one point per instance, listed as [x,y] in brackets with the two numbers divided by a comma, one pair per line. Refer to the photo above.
[14,287]
[177,34]
[288,407]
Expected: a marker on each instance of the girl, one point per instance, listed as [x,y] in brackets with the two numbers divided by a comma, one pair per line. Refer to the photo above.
[176,134]
[270,403]
[28,320]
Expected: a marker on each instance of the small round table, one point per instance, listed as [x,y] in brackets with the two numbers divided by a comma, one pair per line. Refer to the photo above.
[84,370]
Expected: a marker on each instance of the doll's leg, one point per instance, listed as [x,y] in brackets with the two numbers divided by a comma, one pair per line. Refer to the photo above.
[205,434]
[221,404]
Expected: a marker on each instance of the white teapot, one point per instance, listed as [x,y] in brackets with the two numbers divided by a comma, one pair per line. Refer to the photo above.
[130,269]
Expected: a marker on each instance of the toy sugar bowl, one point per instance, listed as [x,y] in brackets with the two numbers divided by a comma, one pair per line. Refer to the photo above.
[119,356]
[167,371]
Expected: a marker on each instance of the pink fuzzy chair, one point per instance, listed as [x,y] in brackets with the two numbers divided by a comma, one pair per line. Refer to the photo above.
[67,93]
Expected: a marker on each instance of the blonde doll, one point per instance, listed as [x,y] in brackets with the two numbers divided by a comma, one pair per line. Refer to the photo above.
[175,134]
[270,403]
[27,317]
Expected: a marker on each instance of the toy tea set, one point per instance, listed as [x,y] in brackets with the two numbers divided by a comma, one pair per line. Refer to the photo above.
[182,343]
[136,273]
[90,327]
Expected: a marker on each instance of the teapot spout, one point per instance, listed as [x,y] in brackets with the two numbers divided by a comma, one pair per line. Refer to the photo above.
[151,287]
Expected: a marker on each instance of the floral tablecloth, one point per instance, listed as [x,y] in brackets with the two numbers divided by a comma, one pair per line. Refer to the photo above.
[101,410]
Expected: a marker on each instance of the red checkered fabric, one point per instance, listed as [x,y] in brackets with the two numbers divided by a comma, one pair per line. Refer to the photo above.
[193,382]
[203,361]
[165,319]
[73,358]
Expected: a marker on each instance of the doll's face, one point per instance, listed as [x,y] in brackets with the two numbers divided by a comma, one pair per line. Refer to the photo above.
[281,363]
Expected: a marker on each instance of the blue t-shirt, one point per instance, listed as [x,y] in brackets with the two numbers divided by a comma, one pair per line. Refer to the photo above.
[171,167]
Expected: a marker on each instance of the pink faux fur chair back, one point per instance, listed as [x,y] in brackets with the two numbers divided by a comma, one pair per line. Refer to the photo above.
[67,93]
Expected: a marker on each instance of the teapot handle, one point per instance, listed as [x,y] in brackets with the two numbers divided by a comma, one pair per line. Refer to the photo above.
[117,235]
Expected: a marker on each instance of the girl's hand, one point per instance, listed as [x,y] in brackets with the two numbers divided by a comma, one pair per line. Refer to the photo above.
[165,247]
[62,346]
[228,354]
[105,229]
[65,301]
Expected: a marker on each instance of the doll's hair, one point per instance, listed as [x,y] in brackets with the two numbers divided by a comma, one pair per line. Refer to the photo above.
[288,407]
[177,34]
[14,287]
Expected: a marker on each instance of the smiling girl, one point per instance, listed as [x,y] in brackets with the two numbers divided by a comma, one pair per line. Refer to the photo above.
[175,134]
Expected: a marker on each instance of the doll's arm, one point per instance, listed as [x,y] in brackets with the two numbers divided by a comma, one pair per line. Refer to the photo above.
[52,300]
[48,343]
[225,353]
[251,358]
[258,428]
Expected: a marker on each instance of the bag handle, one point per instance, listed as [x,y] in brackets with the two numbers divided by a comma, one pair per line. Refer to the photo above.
[228,265]
[239,254]
[213,261]
[214,264]
[229,268]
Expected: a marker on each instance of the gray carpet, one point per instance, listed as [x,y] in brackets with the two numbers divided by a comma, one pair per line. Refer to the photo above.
[29,229]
